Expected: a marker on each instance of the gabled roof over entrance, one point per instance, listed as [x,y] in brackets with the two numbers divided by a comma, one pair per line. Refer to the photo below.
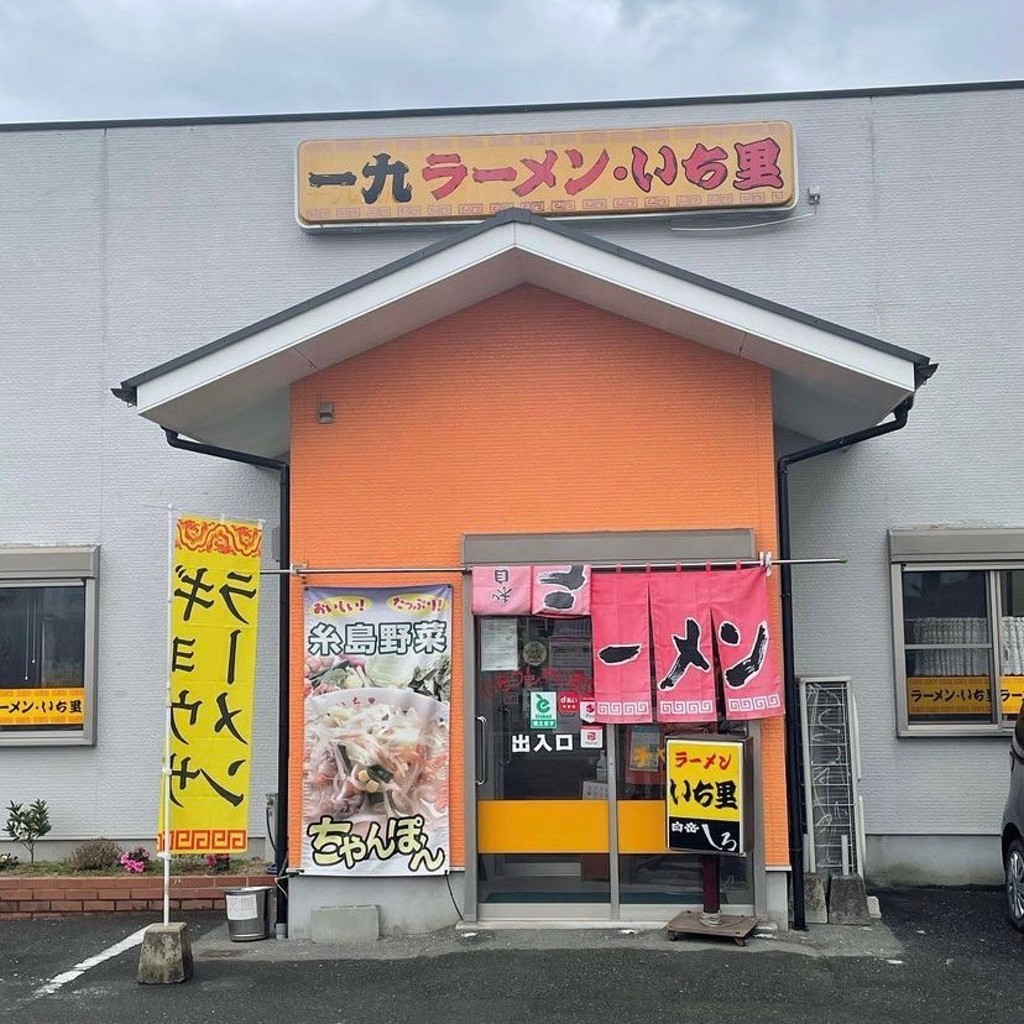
[234,392]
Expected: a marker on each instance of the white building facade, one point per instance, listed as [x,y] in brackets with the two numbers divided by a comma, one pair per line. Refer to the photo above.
[128,244]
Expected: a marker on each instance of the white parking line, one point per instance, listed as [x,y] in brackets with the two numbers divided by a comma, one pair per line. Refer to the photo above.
[59,980]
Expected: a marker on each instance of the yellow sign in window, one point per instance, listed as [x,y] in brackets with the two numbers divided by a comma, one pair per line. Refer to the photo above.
[37,706]
[940,696]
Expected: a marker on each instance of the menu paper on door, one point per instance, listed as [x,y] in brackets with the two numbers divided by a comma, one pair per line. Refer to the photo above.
[376,742]
[499,644]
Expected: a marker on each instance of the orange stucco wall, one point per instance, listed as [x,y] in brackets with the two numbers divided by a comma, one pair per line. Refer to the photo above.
[527,413]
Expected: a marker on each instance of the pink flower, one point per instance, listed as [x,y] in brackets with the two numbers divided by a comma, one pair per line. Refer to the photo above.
[132,865]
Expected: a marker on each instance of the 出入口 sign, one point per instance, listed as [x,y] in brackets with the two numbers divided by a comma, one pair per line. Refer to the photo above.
[562,174]
[708,793]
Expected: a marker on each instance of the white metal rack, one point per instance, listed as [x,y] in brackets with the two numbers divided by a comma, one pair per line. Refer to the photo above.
[834,812]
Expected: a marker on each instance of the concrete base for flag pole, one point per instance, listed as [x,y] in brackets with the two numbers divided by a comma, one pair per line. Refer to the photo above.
[166,955]
[848,900]
[815,903]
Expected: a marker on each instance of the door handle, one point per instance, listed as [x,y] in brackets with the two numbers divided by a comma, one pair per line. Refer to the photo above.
[505,736]
[482,765]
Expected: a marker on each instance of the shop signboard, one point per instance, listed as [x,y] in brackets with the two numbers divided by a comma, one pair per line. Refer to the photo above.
[1011,695]
[376,741]
[64,705]
[215,580]
[959,696]
[626,171]
[708,798]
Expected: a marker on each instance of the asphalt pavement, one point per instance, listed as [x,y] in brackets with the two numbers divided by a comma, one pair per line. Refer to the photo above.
[937,954]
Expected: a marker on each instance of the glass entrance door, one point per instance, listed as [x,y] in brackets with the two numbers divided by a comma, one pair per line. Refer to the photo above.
[570,818]
[649,874]
[542,772]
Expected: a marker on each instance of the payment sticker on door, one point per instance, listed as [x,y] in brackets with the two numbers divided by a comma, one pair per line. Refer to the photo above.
[542,709]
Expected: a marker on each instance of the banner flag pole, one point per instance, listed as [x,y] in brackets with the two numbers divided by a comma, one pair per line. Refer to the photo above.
[166,771]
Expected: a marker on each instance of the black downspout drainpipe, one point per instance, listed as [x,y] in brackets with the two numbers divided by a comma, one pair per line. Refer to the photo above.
[284,623]
[794,740]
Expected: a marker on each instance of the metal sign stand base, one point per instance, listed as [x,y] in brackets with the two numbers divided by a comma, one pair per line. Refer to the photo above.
[711,923]
[690,924]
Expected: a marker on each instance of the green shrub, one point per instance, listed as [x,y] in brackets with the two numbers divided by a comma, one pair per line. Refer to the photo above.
[26,825]
[95,855]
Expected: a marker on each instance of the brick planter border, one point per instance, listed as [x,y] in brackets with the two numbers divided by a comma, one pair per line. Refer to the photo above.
[22,897]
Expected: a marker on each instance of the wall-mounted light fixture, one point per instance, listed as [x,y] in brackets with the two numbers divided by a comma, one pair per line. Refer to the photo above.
[325,412]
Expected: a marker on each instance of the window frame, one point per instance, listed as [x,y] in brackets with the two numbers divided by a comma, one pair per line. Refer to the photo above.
[28,568]
[905,727]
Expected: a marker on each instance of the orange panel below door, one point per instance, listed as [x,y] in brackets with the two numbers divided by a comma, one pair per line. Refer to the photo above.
[642,827]
[542,826]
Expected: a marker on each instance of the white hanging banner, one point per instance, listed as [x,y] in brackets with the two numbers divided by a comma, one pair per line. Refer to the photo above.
[377,716]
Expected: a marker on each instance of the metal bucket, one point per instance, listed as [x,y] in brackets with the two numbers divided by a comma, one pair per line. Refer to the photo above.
[248,910]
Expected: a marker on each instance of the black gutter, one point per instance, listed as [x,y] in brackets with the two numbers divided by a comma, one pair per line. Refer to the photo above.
[283,639]
[794,738]
[857,92]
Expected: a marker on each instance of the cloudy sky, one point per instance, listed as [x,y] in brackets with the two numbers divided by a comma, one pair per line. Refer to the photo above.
[84,59]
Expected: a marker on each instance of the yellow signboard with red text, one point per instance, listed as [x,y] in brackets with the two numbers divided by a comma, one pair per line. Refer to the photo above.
[708,794]
[215,595]
[563,174]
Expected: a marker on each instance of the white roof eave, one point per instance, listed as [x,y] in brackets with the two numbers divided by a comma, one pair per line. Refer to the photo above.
[236,394]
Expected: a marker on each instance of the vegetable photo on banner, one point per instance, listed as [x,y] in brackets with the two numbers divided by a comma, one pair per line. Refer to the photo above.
[746,644]
[620,620]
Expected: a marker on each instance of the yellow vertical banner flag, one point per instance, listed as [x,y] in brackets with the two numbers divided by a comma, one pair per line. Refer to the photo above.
[214,597]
